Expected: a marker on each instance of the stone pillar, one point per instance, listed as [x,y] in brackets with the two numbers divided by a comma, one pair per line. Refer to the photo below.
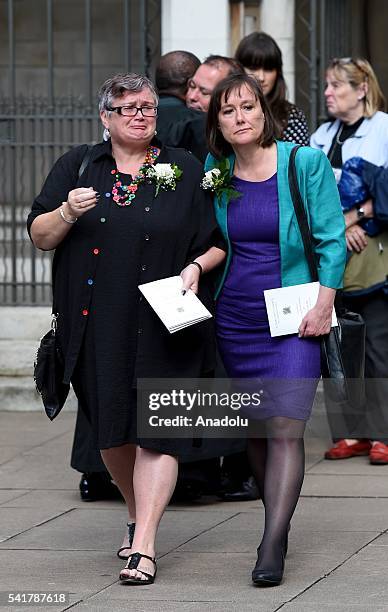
[199,26]
[278,20]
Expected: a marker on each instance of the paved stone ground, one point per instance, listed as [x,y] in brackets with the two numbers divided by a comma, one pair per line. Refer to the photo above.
[50,540]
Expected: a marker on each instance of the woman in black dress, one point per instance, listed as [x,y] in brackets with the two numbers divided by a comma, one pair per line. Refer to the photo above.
[112,230]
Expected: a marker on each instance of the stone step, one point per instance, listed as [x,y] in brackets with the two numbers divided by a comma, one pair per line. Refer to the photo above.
[17,357]
[18,393]
[20,331]
[24,322]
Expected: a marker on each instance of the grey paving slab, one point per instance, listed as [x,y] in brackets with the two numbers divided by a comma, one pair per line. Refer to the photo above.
[196,578]
[213,503]
[312,459]
[381,541]
[243,534]
[340,485]
[226,577]
[50,500]
[15,520]
[9,452]
[362,580]
[353,466]
[297,606]
[77,529]
[7,495]
[328,542]
[39,470]
[31,427]
[172,606]
[334,515]
[78,574]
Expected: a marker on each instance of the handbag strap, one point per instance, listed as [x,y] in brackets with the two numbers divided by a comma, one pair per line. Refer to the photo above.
[85,161]
[301,216]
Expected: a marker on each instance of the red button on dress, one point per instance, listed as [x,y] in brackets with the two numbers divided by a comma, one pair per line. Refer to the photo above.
[85,312]
[96,251]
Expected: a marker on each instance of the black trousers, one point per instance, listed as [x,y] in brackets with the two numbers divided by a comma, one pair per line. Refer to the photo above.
[372,420]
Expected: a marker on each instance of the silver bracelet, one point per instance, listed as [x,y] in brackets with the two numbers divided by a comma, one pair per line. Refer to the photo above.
[64,218]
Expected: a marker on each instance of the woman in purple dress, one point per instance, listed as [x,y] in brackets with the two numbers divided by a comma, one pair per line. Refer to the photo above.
[265,251]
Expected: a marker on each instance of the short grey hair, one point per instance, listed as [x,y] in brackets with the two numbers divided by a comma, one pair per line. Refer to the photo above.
[117,85]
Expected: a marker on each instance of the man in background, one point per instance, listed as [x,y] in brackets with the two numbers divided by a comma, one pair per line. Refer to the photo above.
[177,125]
[207,76]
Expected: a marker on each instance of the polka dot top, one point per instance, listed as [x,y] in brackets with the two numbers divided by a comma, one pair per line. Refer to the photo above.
[297,130]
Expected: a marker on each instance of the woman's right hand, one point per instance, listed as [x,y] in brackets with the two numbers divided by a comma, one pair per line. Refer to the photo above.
[356,238]
[80,200]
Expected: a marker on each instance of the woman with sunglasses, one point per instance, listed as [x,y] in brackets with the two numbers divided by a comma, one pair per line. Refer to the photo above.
[357,137]
[135,215]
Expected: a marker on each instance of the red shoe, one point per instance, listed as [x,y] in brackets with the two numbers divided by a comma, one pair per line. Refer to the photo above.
[378,454]
[343,450]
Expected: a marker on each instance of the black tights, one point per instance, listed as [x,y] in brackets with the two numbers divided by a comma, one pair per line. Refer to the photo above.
[277,461]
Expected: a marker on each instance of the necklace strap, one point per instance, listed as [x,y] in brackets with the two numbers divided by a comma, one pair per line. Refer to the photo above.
[337,136]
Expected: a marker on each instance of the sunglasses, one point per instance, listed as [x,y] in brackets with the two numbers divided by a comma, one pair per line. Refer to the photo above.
[343,61]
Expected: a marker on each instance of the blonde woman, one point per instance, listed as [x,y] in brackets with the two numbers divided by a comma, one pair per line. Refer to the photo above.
[359,129]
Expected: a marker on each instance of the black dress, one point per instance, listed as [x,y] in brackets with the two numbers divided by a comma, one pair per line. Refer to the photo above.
[108,334]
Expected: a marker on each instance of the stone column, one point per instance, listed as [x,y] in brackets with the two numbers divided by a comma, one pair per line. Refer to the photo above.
[199,26]
[278,20]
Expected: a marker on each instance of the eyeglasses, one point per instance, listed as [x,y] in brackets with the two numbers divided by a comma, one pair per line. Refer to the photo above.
[131,111]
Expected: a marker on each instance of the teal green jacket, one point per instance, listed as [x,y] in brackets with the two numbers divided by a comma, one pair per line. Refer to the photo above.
[320,195]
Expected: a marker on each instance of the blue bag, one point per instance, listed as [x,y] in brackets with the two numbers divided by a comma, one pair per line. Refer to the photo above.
[353,190]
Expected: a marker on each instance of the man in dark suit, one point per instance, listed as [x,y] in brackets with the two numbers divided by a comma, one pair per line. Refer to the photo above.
[177,125]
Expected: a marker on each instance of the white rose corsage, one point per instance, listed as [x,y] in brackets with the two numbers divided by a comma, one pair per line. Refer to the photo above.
[165,176]
[218,180]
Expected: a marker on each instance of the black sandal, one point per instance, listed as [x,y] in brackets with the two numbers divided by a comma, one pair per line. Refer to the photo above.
[135,559]
[131,531]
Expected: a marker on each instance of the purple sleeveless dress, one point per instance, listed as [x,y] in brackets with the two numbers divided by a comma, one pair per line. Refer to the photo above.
[244,340]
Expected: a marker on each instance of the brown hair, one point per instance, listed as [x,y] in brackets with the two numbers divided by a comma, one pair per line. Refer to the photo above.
[217,144]
[358,71]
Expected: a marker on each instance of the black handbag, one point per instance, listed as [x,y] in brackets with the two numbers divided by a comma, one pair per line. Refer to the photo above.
[343,349]
[49,368]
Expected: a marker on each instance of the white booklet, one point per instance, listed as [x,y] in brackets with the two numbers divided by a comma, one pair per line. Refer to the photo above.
[175,310]
[287,306]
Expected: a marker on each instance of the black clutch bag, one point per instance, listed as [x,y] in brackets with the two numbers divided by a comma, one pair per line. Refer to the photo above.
[343,349]
[48,373]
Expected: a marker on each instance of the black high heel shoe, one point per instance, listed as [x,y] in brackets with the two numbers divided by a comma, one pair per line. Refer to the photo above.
[267,578]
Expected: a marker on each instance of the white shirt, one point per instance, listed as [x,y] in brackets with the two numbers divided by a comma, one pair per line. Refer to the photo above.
[370,141]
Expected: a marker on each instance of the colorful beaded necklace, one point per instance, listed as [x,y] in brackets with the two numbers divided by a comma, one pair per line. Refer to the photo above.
[124,194]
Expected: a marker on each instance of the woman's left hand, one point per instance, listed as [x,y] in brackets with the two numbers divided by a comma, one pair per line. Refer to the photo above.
[190,276]
[316,322]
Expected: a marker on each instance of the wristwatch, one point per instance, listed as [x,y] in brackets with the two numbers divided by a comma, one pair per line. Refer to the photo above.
[360,212]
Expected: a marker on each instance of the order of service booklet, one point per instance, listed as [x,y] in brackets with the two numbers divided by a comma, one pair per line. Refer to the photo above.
[287,306]
[176,311]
